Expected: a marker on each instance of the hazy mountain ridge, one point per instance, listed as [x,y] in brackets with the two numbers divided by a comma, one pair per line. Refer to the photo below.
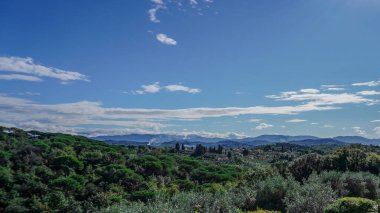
[169,140]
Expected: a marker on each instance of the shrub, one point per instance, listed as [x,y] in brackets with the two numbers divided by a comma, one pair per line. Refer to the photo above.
[311,197]
[304,166]
[351,205]
[271,192]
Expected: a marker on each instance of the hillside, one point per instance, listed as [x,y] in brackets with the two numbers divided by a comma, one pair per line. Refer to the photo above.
[45,172]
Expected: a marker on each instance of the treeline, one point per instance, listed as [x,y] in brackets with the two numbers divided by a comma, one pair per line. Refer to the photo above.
[41,172]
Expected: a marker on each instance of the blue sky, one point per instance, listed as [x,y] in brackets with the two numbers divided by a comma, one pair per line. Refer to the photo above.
[212,67]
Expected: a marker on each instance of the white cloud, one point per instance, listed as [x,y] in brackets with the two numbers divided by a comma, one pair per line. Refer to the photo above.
[369,84]
[193,3]
[139,124]
[163,38]
[324,98]
[20,112]
[254,120]
[377,130]
[155,88]
[296,120]
[328,126]
[335,89]
[151,88]
[368,92]
[263,126]
[157,1]
[20,77]
[325,86]
[23,112]
[358,130]
[29,93]
[153,13]
[27,66]
[313,91]
[177,87]
[375,121]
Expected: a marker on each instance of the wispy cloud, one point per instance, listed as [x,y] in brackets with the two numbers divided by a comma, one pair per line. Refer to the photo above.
[358,130]
[20,77]
[68,116]
[263,126]
[29,93]
[369,83]
[325,86]
[153,13]
[163,38]
[377,130]
[295,120]
[27,66]
[333,87]
[323,98]
[368,92]
[254,120]
[155,88]
[328,126]
[312,91]
[178,87]
[193,3]
[157,1]
[150,88]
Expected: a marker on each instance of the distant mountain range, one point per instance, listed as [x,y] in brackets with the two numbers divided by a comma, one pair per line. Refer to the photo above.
[193,139]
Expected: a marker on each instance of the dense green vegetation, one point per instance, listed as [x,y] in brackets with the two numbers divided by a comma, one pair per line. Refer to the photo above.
[43,172]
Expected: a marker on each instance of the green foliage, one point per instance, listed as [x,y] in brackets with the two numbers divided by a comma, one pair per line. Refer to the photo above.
[352,184]
[199,150]
[68,162]
[72,182]
[310,197]
[4,158]
[351,205]
[272,191]
[44,172]
[304,166]
[6,177]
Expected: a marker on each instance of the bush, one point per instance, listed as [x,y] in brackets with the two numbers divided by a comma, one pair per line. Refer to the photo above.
[311,197]
[351,184]
[304,166]
[271,192]
[351,205]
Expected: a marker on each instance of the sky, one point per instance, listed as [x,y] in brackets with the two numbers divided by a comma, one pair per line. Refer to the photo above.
[210,67]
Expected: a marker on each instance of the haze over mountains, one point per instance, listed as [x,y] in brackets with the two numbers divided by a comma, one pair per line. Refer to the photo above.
[193,139]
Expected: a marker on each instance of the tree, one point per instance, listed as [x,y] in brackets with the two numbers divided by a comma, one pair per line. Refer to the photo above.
[6,177]
[304,166]
[245,152]
[271,193]
[220,149]
[67,163]
[199,150]
[229,154]
[312,197]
